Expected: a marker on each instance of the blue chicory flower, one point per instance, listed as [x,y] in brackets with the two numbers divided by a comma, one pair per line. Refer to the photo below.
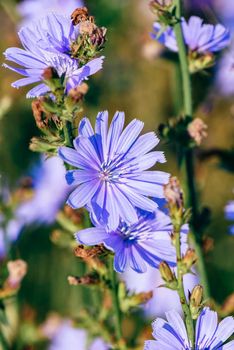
[34,9]
[210,335]
[229,213]
[75,338]
[112,178]
[199,37]
[146,242]
[47,44]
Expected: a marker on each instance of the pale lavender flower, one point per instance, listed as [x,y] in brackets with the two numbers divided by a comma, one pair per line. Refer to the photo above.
[50,192]
[144,243]
[34,9]
[47,43]
[172,334]
[69,337]
[163,299]
[112,179]
[199,37]
[229,213]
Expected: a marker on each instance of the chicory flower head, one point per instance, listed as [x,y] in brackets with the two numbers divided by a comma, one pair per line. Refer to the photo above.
[172,335]
[47,45]
[33,9]
[112,178]
[147,242]
[199,37]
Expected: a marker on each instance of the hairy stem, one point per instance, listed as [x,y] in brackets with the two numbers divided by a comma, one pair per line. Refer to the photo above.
[189,154]
[181,292]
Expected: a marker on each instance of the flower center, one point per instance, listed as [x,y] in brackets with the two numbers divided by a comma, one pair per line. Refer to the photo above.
[139,231]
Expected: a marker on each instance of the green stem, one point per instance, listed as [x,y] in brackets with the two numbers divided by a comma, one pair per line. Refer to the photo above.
[189,154]
[115,300]
[181,292]
[68,135]
[3,341]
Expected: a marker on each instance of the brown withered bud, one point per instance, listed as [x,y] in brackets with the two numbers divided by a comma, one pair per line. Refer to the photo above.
[78,93]
[207,244]
[90,253]
[84,280]
[98,37]
[173,192]
[41,118]
[48,73]
[87,27]
[79,15]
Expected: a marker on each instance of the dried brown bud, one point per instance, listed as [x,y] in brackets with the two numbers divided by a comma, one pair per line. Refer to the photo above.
[189,258]
[197,130]
[90,256]
[17,270]
[78,93]
[85,280]
[48,73]
[79,15]
[173,192]
[39,113]
[98,37]
[87,27]
[207,244]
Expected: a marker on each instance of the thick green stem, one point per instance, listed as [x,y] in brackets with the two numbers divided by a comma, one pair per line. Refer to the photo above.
[115,300]
[3,342]
[181,292]
[189,154]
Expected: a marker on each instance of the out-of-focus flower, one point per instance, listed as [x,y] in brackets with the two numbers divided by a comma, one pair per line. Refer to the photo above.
[69,337]
[203,40]
[112,179]
[17,270]
[197,130]
[163,299]
[229,213]
[199,37]
[146,242]
[172,334]
[46,56]
[33,9]
[50,191]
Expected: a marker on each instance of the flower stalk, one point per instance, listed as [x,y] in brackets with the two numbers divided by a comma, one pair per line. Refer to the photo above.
[189,154]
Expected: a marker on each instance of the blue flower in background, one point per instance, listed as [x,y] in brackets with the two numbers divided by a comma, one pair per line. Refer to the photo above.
[199,37]
[210,335]
[46,45]
[33,9]
[112,178]
[147,242]
[229,213]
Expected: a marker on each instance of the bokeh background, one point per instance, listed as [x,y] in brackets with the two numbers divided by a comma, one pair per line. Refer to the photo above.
[138,77]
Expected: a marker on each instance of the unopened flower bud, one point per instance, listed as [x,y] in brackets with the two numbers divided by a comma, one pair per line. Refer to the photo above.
[196,299]
[84,280]
[79,15]
[156,5]
[197,130]
[189,259]
[167,275]
[17,270]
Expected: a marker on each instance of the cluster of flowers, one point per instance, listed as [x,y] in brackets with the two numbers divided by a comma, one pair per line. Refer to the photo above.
[109,167]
